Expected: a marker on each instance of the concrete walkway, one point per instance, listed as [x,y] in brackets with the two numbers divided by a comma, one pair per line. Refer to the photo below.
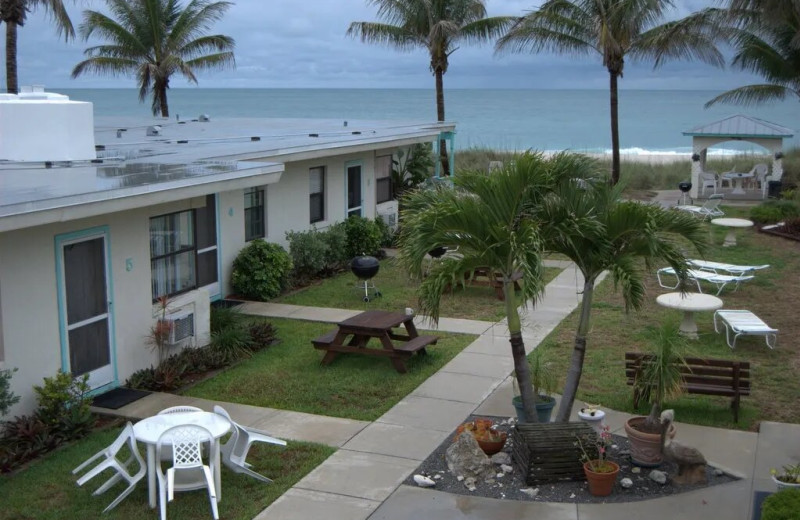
[363,478]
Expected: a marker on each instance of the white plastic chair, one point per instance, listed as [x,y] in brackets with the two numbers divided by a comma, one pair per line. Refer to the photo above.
[759,173]
[709,209]
[234,452]
[723,178]
[744,323]
[696,275]
[730,269]
[187,463]
[180,409]
[121,468]
[709,180]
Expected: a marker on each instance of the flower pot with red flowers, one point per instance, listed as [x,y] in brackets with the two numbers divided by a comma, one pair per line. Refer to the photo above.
[601,473]
[488,437]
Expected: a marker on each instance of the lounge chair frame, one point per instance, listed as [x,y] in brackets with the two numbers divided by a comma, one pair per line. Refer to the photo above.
[744,323]
[696,275]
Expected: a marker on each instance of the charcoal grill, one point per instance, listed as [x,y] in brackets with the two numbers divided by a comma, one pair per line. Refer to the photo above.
[684,186]
[365,268]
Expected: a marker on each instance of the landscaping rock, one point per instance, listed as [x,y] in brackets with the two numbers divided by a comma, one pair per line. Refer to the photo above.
[423,481]
[531,492]
[626,483]
[636,469]
[718,472]
[691,463]
[658,476]
[470,483]
[465,457]
[506,468]
[501,458]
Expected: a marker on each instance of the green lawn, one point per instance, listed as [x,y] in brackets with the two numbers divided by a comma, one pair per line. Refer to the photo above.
[289,375]
[398,292]
[773,295]
[46,489]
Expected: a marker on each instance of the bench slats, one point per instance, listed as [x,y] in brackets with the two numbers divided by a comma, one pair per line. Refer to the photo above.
[415,344]
[630,370]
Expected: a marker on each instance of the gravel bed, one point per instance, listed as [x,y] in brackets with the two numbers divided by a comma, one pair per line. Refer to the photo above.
[508,486]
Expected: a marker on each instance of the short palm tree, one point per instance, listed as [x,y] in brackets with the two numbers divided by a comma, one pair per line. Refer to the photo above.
[488,219]
[14,13]
[768,46]
[616,30]
[598,231]
[435,25]
[154,39]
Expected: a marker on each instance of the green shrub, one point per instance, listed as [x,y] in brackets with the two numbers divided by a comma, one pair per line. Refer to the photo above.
[7,397]
[335,238]
[309,252]
[261,270]
[363,236]
[783,505]
[774,211]
[64,404]
[223,318]
[232,344]
[262,335]
[387,235]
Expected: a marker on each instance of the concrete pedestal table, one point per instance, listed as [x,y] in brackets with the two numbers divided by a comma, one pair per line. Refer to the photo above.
[733,223]
[737,179]
[689,303]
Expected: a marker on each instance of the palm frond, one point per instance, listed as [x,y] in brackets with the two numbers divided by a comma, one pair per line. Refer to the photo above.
[384,34]
[691,38]
[111,66]
[212,61]
[753,95]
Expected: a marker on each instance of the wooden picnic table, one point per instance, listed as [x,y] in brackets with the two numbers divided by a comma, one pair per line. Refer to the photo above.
[353,336]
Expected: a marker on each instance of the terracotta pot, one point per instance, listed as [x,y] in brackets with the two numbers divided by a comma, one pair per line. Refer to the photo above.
[601,484]
[645,447]
[492,447]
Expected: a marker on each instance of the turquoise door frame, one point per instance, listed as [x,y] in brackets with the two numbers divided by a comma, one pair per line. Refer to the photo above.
[76,237]
[360,207]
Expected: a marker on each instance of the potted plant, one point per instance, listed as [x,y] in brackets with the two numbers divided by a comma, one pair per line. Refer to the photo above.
[788,477]
[601,473]
[660,379]
[488,437]
[543,381]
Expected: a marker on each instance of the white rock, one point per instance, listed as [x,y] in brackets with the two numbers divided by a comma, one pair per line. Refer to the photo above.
[470,483]
[423,481]
[718,472]
[460,478]
[500,475]
[531,492]
[626,483]
[506,468]
[437,477]
[636,469]
[501,457]
[499,485]
[572,495]
[614,447]
[658,476]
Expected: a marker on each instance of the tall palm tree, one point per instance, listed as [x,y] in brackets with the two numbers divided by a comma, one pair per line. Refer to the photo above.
[14,13]
[614,29]
[488,219]
[154,39]
[768,46]
[625,238]
[435,25]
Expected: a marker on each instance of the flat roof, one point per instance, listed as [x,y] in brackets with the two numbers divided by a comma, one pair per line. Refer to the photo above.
[183,159]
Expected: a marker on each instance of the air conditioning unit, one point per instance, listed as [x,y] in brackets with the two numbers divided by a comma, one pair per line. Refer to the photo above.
[388,213]
[390,219]
[180,325]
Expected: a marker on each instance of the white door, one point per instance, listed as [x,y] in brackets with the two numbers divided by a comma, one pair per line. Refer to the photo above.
[86,308]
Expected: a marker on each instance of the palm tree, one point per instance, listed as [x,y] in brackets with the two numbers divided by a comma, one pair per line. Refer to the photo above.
[615,29]
[768,46]
[435,25]
[154,39]
[14,13]
[598,231]
[487,218]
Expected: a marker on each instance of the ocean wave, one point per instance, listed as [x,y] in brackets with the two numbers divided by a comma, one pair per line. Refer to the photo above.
[678,152]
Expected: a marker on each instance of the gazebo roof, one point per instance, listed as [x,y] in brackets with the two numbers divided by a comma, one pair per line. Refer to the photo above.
[741,126]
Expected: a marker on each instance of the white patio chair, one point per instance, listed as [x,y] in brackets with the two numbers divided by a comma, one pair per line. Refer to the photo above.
[759,173]
[234,452]
[709,209]
[744,323]
[723,268]
[709,180]
[180,409]
[122,469]
[723,178]
[696,275]
[188,471]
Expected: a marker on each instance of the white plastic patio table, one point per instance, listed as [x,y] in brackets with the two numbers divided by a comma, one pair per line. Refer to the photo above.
[689,303]
[737,179]
[733,223]
[150,429]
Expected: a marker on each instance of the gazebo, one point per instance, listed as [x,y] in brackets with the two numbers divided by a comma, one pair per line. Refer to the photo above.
[736,128]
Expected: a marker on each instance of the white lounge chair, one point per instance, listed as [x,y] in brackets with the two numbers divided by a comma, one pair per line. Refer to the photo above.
[709,209]
[234,452]
[744,323]
[730,269]
[696,275]
[110,461]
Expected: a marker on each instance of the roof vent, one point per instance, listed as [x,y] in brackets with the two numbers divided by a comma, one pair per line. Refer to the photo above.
[255,138]
[204,118]
[313,135]
[153,131]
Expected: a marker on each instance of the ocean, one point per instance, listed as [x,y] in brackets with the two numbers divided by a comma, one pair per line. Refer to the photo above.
[651,121]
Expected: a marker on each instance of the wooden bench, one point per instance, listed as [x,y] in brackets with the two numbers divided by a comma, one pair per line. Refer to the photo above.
[493,279]
[700,376]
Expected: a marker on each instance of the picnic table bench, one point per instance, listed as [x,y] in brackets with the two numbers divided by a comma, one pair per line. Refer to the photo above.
[485,276]
[353,336]
[722,377]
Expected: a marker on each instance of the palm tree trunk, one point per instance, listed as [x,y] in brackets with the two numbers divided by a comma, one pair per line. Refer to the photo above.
[614,127]
[521,369]
[163,101]
[578,353]
[12,82]
[443,158]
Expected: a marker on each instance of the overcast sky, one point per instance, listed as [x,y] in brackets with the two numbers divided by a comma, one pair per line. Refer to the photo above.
[302,44]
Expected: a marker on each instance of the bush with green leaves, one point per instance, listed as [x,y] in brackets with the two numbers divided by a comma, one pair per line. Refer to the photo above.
[7,397]
[309,252]
[774,211]
[64,404]
[363,236]
[387,235]
[335,238]
[261,271]
[783,505]
[224,317]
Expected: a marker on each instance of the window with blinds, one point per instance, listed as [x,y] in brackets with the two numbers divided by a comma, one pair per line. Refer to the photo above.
[317,194]
[383,178]
[254,214]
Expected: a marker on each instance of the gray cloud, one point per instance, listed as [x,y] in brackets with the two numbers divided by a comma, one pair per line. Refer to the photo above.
[285,43]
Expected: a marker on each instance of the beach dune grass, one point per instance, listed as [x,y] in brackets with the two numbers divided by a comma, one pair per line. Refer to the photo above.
[46,489]
[773,295]
[289,375]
